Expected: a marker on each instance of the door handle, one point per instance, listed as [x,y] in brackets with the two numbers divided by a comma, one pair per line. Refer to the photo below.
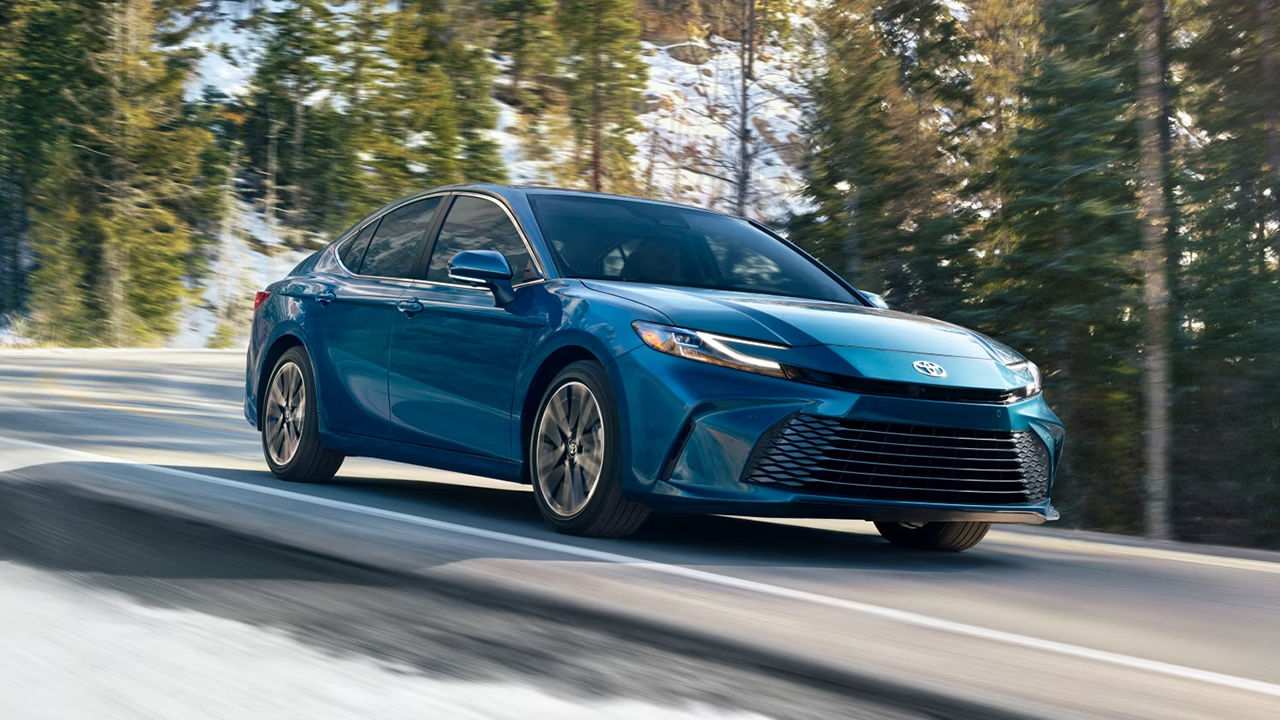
[325,297]
[409,307]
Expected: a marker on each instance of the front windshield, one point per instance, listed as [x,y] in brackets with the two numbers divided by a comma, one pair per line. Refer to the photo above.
[600,238]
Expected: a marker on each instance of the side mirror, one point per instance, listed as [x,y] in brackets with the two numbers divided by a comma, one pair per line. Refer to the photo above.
[875,299]
[484,267]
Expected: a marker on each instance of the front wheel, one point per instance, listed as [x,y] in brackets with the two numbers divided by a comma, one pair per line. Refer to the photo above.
[953,536]
[290,428]
[575,458]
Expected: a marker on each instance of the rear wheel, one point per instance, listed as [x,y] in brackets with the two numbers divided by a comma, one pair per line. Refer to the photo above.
[575,460]
[290,429]
[954,536]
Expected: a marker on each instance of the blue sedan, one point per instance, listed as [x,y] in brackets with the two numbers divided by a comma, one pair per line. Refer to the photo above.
[626,356]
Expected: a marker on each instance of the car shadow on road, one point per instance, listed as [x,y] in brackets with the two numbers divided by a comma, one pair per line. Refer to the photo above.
[692,539]
[703,541]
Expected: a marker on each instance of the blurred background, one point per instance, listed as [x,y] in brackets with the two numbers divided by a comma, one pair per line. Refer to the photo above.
[1094,182]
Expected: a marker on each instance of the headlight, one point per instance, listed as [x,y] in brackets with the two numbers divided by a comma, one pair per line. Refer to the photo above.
[1028,371]
[709,348]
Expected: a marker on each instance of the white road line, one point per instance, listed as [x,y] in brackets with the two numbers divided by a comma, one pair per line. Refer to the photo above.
[902,616]
[1068,544]
[28,351]
[1081,546]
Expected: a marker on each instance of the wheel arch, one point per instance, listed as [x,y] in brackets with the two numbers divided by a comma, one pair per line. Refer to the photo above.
[551,365]
[277,348]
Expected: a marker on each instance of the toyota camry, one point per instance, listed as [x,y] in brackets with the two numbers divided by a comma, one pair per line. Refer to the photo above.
[627,356]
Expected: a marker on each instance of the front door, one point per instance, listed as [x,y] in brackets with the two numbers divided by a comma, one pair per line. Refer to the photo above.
[453,363]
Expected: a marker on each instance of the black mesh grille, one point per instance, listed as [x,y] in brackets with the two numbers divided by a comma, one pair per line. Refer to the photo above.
[882,461]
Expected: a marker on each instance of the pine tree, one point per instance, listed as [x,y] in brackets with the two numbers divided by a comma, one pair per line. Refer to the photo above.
[12,203]
[527,35]
[880,168]
[463,55]
[43,57]
[1006,38]
[1227,278]
[420,140]
[605,76]
[854,170]
[62,241]
[1065,290]
[422,110]
[290,75]
[151,161]
[49,46]
[111,180]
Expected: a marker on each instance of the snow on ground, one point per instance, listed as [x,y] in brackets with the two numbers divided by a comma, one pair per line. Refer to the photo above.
[9,336]
[73,653]
[237,271]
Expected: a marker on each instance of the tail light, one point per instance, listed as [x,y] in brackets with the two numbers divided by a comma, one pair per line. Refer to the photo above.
[259,298]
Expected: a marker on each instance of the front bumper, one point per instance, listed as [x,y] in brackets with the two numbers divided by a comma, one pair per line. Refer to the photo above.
[695,431]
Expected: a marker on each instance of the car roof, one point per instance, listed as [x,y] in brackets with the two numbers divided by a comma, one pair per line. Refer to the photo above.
[509,192]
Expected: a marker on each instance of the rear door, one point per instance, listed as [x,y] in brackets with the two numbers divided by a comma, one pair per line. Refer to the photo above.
[355,321]
[453,364]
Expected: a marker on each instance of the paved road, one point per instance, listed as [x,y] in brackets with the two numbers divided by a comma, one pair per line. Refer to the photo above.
[696,615]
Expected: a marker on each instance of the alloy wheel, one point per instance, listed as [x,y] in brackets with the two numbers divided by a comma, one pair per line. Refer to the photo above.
[569,450]
[285,413]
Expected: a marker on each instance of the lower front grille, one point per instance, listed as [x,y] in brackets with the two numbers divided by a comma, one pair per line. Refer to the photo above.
[884,461]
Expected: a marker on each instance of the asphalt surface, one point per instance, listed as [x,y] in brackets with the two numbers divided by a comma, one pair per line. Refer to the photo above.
[151,566]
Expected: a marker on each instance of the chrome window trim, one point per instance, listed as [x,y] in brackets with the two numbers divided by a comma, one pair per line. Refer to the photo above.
[524,238]
[437,283]
[354,233]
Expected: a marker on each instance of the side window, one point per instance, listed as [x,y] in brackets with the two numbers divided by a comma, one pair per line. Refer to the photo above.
[352,251]
[395,244]
[477,224]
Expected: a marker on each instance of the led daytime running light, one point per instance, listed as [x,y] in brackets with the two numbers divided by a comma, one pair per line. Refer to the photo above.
[709,348]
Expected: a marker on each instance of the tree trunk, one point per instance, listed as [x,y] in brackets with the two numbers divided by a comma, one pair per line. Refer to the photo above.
[269,200]
[1154,218]
[517,65]
[121,194]
[1267,52]
[227,285]
[597,124]
[12,213]
[746,74]
[853,241]
[299,197]
[652,161]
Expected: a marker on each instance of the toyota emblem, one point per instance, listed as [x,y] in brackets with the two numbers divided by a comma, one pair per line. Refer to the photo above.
[932,369]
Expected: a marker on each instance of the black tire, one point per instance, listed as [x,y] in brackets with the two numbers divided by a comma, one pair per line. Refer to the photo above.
[953,536]
[310,462]
[607,512]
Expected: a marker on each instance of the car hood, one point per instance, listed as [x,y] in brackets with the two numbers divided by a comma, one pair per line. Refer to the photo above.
[800,322]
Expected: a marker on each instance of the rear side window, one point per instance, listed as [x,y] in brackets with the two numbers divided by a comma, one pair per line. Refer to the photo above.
[352,251]
[478,224]
[395,243]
